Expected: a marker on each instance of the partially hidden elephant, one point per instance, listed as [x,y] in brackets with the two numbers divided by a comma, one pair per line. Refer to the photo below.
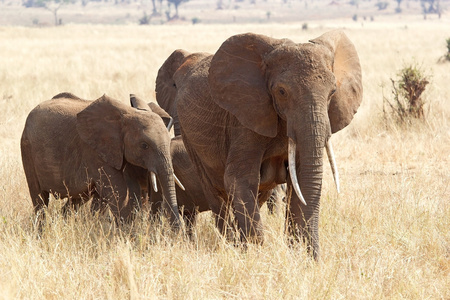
[81,149]
[166,88]
[261,106]
[191,198]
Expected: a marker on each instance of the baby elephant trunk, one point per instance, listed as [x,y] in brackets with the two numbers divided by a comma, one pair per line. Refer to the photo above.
[165,176]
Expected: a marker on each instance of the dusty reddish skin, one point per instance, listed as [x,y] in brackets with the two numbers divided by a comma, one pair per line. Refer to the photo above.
[238,107]
[78,148]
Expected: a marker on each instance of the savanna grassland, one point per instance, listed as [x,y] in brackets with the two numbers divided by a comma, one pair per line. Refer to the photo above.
[385,236]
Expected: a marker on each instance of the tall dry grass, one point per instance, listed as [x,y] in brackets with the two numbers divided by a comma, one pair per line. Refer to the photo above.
[387,235]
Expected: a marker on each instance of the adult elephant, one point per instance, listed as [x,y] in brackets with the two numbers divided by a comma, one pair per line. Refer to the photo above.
[79,148]
[192,197]
[166,88]
[259,104]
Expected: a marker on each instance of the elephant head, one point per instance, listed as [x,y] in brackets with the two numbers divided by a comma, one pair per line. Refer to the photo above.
[121,134]
[314,88]
[178,62]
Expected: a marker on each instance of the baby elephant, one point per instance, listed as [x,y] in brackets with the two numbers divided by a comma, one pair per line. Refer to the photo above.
[78,148]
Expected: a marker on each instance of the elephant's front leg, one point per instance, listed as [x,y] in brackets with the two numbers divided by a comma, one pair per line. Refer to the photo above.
[112,188]
[241,183]
[136,179]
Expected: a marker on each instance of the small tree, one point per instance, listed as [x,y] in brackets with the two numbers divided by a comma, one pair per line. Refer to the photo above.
[431,7]
[176,3]
[398,9]
[407,92]
[154,11]
[51,5]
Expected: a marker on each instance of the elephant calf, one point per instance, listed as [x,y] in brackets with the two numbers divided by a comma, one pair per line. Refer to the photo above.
[78,148]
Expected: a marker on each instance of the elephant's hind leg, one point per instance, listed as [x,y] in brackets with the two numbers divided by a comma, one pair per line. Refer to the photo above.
[39,197]
[112,188]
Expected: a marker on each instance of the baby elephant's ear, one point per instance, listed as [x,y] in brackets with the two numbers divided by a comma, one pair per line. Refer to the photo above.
[347,70]
[140,104]
[100,126]
[168,120]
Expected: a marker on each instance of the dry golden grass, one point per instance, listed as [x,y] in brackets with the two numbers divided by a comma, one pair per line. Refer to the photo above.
[386,236]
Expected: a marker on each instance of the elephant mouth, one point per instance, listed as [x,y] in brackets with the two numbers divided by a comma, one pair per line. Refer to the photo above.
[155,185]
[293,169]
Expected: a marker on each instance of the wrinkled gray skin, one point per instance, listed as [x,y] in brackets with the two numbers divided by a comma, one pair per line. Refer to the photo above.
[166,88]
[78,148]
[192,200]
[238,109]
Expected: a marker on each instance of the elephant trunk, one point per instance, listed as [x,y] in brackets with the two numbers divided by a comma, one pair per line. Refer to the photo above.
[165,176]
[310,140]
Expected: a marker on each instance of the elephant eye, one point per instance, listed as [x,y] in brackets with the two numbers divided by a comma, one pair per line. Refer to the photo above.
[282,91]
[332,93]
[144,146]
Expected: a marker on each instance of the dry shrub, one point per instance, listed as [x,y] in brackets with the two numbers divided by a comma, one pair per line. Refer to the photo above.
[407,92]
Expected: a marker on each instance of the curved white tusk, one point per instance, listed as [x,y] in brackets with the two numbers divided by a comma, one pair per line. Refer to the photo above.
[293,170]
[177,181]
[169,126]
[333,166]
[153,177]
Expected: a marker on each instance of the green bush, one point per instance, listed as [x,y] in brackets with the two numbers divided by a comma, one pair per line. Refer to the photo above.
[407,92]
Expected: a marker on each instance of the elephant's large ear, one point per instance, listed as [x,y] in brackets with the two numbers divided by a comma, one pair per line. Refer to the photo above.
[237,81]
[166,89]
[100,126]
[347,69]
[140,104]
[158,110]
[168,120]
